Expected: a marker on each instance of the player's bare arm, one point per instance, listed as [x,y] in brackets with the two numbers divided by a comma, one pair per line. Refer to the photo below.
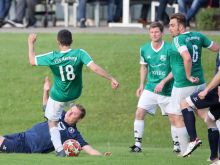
[143,74]
[46,90]
[160,86]
[214,47]
[31,53]
[187,61]
[101,72]
[91,151]
[214,83]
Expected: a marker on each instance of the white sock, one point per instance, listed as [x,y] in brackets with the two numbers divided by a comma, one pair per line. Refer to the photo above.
[138,131]
[173,133]
[183,138]
[56,139]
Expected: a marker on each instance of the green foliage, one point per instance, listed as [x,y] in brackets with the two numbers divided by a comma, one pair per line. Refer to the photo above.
[108,125]
[208,19]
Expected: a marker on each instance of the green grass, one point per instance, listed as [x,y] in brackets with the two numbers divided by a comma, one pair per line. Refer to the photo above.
[108,125]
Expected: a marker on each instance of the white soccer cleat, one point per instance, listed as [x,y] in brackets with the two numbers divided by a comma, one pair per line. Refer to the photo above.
[192,146]
[216,163]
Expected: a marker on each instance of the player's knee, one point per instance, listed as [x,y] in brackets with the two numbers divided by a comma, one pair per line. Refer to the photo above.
[139,114]
[209,121]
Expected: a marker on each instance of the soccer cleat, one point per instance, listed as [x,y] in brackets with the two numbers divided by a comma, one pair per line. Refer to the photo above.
[216,163]
[192,146]
[135,148]
[61,153]
[176,147]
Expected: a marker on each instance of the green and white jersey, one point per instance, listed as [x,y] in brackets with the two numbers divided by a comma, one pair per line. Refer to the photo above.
[158,62]
[66,67]
[193,42]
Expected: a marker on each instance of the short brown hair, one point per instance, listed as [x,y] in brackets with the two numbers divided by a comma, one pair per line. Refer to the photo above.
[82,110]
[64,36]
[156,25]
[181,19]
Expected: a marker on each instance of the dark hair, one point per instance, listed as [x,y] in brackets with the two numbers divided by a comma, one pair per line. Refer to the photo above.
[65,37]
[181,19]
[156,25]
[82,110]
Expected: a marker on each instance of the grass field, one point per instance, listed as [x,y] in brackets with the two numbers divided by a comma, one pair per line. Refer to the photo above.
[108,125]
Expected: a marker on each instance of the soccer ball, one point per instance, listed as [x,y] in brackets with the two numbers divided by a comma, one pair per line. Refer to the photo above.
[71,147]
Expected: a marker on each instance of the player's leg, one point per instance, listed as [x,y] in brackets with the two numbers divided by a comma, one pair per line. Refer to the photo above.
[53,113]
[14,143]
[146,103]
[174,112]
[164,105]
[190,103]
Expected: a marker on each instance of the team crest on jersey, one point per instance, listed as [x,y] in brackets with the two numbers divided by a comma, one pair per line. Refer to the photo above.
[148,57]
[163,58]
[71,129]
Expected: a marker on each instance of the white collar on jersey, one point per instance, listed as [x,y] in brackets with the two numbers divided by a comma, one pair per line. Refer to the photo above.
[65,51]
[157,50]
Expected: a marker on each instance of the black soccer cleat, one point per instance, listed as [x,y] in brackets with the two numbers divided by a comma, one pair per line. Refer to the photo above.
[135,148]
[61,153]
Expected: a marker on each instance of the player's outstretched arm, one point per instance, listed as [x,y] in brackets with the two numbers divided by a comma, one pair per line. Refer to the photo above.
[214,47]
[46,91]
[31,53]
[91,151]
[101,72]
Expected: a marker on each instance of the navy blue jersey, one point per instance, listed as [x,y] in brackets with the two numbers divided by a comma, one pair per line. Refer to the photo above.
[38,140]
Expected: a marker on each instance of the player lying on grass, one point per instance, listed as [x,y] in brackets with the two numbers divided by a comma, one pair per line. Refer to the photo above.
[37,139]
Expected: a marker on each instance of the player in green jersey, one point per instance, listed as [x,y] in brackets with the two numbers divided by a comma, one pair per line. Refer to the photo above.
[187,71]
[66,66]
[156,91]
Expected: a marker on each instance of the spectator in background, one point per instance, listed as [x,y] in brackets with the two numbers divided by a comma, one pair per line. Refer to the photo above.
[82,11]
[4,9]
[144,13]
[21,6]
[190,8]
[162,16]
[118,11]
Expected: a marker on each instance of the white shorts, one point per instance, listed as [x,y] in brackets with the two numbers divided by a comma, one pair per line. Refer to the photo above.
[149,101]
[54,109]
[178,94]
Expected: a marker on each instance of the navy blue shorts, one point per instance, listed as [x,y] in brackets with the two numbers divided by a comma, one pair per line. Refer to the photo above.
[14,143]
[211,100]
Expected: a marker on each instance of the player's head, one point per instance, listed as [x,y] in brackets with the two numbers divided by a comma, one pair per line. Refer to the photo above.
[156,31]
[177,24]
[64,37]
[75,114]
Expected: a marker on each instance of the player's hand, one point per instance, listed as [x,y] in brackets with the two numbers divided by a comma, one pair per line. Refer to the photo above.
[46,84]
[114,83]
[193,79]
[159,87]
[32,38]
[202,94]
[139,91]
[107,154]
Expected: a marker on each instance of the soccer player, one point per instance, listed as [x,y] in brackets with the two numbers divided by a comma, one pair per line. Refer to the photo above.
[66,66]
[187,71]
[37,139]
[209,97]
[156,91]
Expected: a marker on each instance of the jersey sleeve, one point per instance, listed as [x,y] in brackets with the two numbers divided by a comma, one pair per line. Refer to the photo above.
[180,44]
[142,60]
[44,59]
[80,139]
[206,42]
[85,57]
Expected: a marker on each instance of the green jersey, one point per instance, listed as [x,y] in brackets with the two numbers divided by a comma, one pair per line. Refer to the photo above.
[193,42]
[66,67]
[158,62]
